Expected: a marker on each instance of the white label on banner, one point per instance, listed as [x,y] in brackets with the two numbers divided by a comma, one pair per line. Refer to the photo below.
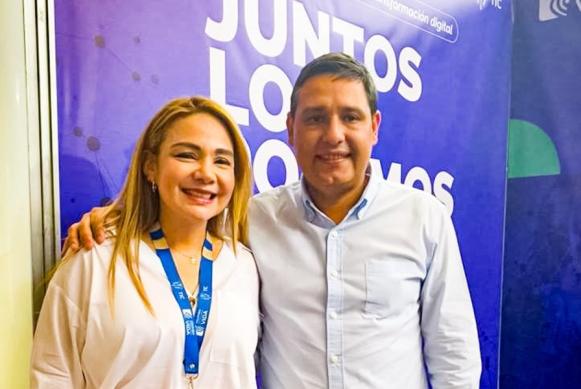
[225,30]
[304,34]
[269,149]
[418,174]
[410,87]
[218,86]
[273,46]
[441,188]
[275,122]
[350,33]
[379,44]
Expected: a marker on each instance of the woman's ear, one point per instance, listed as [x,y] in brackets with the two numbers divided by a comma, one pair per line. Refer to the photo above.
[150,167]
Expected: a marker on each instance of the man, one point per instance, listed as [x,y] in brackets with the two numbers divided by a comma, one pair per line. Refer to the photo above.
[362,280]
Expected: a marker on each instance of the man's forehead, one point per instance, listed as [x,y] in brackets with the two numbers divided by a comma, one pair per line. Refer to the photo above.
[319,90]
[326,78]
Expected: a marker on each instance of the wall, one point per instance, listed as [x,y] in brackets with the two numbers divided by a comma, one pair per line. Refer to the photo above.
[15,241]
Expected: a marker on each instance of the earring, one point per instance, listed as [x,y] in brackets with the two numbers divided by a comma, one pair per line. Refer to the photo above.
[153,187]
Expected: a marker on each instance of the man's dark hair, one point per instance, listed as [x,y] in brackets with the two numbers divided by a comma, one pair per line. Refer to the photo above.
[341,66]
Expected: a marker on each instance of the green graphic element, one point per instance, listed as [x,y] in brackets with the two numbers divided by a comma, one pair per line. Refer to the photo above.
[531,152]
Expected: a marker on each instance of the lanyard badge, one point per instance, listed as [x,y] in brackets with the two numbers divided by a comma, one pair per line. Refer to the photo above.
[195,323]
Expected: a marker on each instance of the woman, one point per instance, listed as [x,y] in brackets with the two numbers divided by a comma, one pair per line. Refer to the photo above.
[171,299]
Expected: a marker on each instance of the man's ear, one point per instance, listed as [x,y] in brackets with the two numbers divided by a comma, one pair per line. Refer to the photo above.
[375,123]
[150,167]
[290,119]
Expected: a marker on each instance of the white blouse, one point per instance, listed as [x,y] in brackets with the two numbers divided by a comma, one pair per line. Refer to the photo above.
[78,344]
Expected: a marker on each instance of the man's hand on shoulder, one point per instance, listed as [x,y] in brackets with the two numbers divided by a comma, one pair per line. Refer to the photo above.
[88,231]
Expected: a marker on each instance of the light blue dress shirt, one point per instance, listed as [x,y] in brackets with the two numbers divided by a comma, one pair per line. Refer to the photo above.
[379,300]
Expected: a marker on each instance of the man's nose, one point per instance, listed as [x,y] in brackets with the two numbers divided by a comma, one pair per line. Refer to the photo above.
[335,131]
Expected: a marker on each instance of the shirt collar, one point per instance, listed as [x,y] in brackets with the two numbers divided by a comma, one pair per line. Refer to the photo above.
[358,210]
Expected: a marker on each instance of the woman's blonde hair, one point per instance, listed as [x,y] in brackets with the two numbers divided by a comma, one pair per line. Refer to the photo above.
[136,210]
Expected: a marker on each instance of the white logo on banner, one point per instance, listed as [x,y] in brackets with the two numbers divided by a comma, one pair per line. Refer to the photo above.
[493,3]
[553,9]
[418,177]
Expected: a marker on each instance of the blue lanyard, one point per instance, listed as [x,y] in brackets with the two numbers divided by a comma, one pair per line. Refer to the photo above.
[195,326]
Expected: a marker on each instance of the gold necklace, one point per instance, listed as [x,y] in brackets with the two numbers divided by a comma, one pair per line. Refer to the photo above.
[193,260]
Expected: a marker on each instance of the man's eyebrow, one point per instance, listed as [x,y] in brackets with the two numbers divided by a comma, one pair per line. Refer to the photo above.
[352,109]
[315,109]
[219,151]
[318,109]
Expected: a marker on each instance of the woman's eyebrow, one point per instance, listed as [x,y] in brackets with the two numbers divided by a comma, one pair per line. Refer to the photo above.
[226,152]
[186,144]
[218,151]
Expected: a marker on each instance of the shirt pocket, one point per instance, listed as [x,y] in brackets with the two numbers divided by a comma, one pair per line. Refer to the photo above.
[392,286]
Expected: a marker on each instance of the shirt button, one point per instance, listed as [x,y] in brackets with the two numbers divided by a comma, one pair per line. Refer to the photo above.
[334,274]
[334,359]
[333,234]
[333,315]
